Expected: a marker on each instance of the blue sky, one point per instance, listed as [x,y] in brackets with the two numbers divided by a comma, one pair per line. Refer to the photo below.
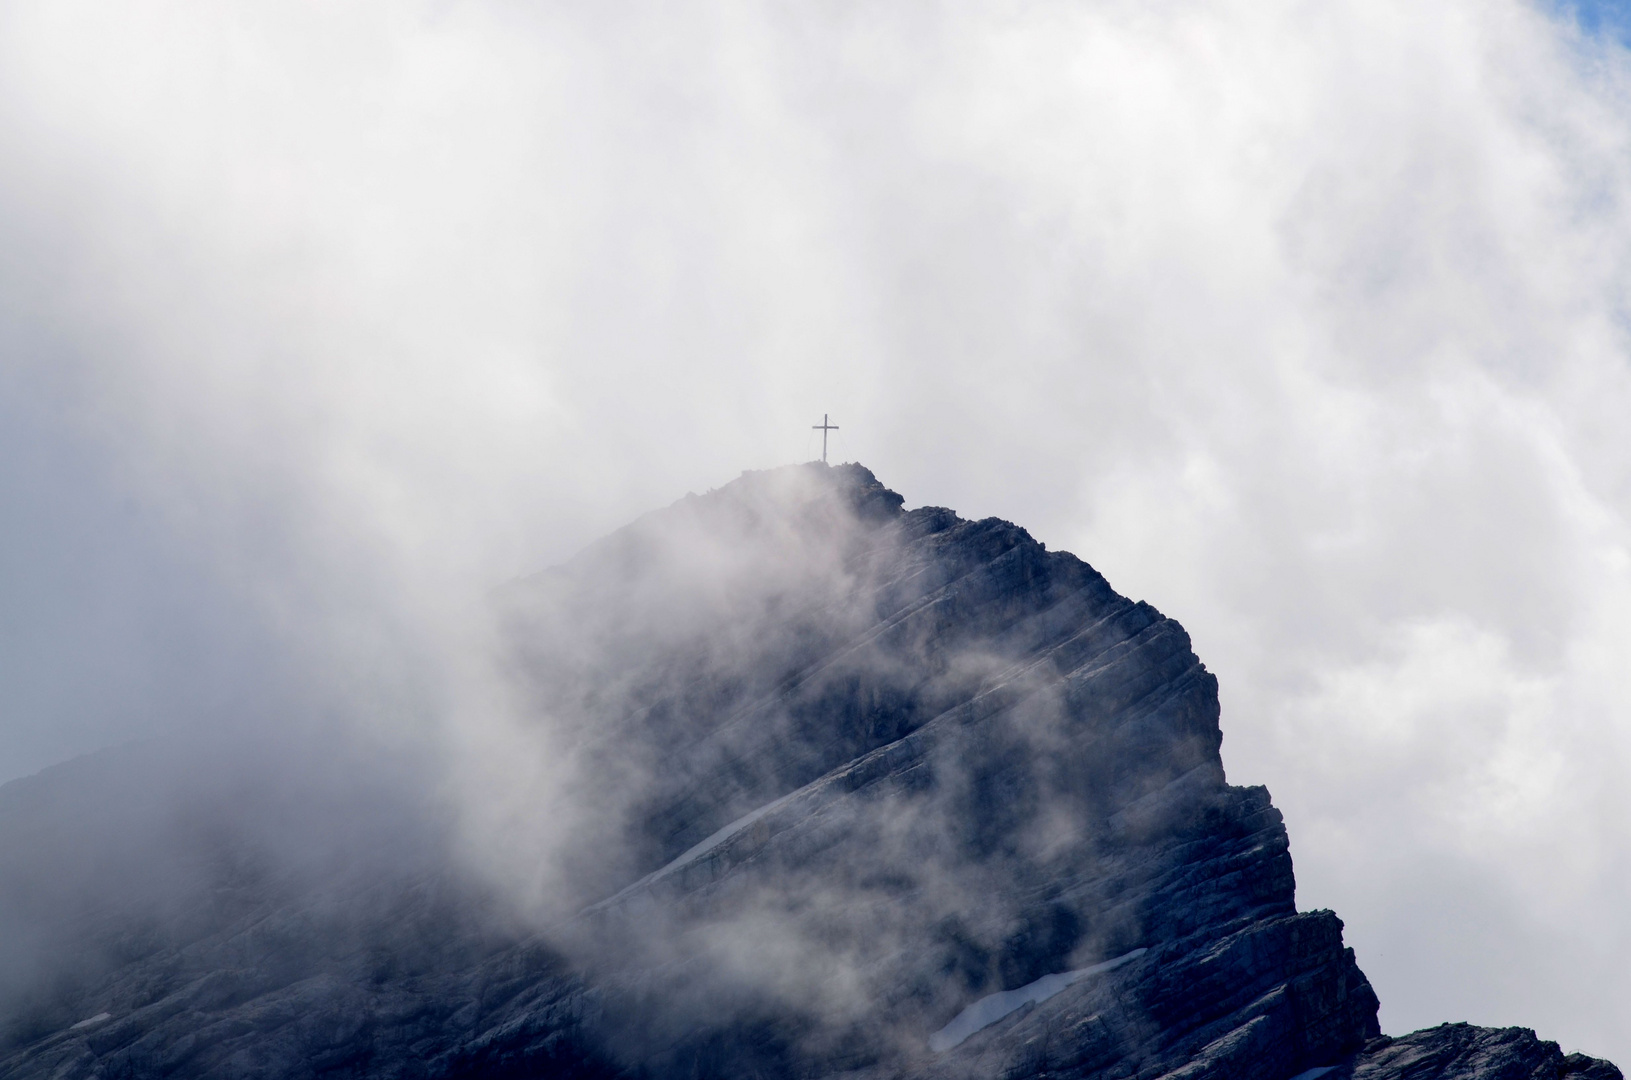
[1608,17]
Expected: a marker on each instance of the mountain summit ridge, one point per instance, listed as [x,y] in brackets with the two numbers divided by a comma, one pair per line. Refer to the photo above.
[854,791]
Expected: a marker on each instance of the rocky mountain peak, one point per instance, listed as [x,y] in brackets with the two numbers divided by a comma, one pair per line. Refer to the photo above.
[852,790]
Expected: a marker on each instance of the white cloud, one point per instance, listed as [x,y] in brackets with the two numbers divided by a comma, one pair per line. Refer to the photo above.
[1305,322]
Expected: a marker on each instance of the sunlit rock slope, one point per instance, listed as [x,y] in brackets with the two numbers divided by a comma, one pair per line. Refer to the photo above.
[840,790]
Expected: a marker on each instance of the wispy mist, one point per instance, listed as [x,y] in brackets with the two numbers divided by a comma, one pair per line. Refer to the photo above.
[1305,323]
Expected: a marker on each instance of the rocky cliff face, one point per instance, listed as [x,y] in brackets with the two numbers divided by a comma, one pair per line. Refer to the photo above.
[853,791]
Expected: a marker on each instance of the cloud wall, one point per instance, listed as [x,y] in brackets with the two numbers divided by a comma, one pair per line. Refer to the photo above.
[1306,323]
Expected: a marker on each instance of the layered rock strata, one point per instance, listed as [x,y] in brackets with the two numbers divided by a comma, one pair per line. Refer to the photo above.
[853,791]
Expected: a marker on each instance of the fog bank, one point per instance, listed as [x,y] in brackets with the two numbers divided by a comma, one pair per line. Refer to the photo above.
[1306,324]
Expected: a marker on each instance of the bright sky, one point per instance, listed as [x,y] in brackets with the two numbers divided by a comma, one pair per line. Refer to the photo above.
[1306,322]
[1610,18]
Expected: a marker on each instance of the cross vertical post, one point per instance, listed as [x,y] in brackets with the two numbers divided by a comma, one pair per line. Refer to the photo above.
[823,427]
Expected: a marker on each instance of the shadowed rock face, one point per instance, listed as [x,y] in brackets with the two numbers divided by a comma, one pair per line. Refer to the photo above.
[1461,1050]
[854,791]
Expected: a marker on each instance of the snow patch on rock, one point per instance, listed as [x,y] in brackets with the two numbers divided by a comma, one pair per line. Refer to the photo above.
[993,1007]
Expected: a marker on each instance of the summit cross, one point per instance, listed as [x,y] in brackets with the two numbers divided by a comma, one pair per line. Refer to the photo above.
[823,427]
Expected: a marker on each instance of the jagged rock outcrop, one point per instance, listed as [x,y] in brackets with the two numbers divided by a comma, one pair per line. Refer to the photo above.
[854,791]
[1462,1052]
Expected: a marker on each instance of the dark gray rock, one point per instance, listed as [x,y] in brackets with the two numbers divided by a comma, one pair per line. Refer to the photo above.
[1464,1052]
[855,787]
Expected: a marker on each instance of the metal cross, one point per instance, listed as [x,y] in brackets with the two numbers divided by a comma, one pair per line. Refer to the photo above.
[823,427]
